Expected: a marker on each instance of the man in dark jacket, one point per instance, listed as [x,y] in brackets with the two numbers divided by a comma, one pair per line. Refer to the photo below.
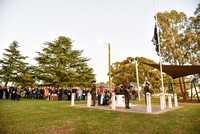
[1,92]
[60,93]
[146,90]
[7,92]
[126,87]
[93,92]
[69,93]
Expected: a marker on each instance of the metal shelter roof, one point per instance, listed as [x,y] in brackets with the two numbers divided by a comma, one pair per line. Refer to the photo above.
[176,71]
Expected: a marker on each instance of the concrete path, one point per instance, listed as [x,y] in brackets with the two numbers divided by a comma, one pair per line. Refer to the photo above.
[136,108]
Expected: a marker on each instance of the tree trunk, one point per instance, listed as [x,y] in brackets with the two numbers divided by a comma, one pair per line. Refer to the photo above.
[6,84]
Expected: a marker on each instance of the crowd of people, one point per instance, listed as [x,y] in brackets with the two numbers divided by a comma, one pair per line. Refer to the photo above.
[43,93]
[51,93]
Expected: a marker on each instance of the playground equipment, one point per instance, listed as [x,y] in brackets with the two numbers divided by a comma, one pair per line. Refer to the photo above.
[192,85]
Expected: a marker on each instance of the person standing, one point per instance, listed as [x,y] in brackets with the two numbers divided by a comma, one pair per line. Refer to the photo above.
[41,93]
[126,87]
[33,93]
[84,93]
[146,90]
[1,92]
[117,89]
[65,93]
[133,93]
[19,90]
[69,92]
[79,94]
[100,91]
[7,92]
[93,92]
[46,94]
[14,92]
[11,91]
[60,93]
[28,92]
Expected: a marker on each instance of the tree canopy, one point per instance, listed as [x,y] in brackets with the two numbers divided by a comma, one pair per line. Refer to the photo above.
[59,65]
[12,65]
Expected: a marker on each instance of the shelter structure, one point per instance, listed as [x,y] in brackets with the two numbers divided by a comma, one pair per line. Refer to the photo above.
[177,71]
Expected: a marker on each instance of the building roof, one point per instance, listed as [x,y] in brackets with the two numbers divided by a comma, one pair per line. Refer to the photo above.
[104,86]
[135,84]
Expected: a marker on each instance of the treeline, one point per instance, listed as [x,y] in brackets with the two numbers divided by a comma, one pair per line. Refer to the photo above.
[58,65]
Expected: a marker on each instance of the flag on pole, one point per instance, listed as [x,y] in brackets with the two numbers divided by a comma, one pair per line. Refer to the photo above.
[156,38]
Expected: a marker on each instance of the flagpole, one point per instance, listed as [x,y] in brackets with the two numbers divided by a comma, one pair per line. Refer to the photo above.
[138,86]
[159,48]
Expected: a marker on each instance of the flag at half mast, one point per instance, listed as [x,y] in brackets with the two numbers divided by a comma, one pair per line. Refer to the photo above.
[156,38]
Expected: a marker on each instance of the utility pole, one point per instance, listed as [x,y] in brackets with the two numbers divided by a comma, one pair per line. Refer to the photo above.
[109,67]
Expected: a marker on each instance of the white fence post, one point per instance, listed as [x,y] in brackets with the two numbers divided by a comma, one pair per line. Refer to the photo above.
[148,98]
[161,101]
[113,101]
[169,101]
[175,100]
[88,99]
[72,100]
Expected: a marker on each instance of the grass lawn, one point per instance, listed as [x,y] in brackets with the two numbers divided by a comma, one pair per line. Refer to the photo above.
[41,116]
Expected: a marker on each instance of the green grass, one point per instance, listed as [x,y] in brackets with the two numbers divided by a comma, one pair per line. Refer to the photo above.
[41,116]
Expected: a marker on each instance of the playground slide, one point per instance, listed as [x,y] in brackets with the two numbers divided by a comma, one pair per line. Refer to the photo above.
[195,94]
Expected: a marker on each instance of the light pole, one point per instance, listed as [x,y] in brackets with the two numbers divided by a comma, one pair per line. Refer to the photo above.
[109,66]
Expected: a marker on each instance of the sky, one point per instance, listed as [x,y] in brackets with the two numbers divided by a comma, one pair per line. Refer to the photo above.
[128,25]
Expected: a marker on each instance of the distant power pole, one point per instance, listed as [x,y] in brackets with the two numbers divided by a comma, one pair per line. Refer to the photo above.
[109,67]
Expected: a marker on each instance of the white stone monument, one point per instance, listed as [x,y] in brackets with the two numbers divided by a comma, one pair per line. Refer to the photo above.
[169,101]
[72,99]
[175,100]
[120,101]
[148,98]
[113,101]
[88,99]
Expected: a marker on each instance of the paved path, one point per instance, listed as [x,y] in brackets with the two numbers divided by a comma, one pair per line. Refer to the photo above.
[136,108]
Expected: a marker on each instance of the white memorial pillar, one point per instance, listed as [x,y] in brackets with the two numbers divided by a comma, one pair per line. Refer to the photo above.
[101,101]
[161,101]
[72,100]
[169,101]
[148,98]
[113,101]
[164,100]
[88,99]
[175,100]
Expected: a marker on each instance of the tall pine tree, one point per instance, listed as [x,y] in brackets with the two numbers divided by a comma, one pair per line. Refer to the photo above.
[60,66]
[11,63]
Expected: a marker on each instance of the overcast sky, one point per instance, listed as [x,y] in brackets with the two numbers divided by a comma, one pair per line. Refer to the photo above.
[127,24]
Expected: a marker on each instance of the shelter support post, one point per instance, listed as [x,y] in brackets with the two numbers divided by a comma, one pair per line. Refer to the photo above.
[191,91]
[196,91]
